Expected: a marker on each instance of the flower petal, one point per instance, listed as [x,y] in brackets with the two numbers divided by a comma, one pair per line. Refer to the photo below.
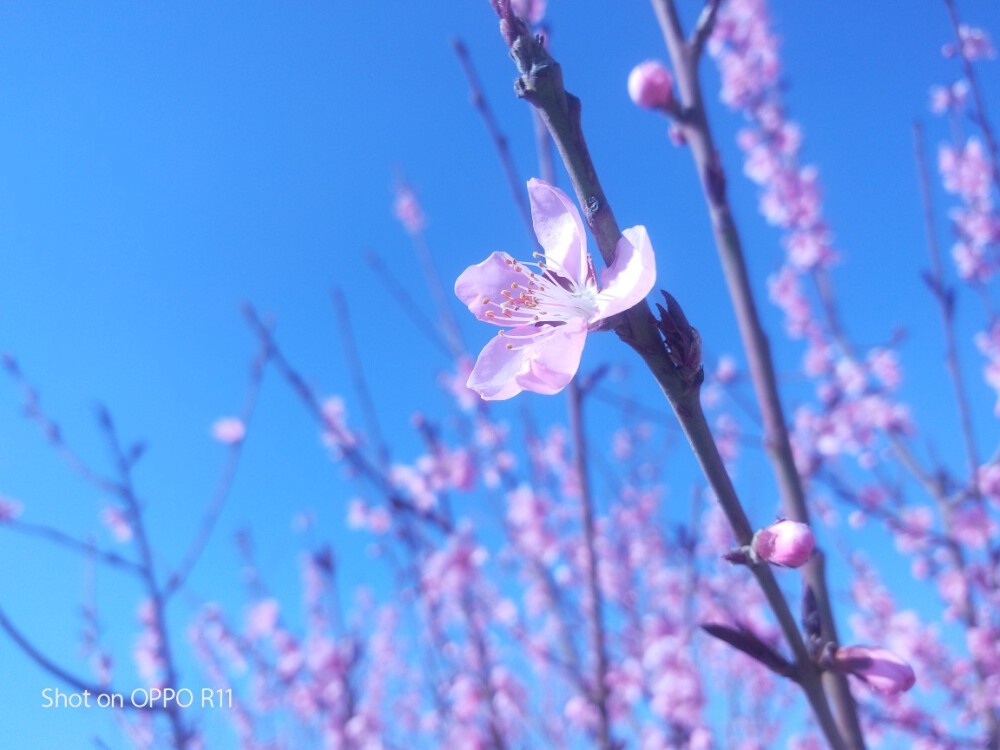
[485,281]
[630,277]
[559,230]
[556,360]
[542,359]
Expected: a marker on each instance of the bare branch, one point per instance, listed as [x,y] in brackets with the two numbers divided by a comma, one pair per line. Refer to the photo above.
[357,374]
[497,135]
[703,28]
[225,484]
[76,545]
[55,670]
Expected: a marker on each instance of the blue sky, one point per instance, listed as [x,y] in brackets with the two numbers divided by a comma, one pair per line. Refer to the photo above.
[161,163]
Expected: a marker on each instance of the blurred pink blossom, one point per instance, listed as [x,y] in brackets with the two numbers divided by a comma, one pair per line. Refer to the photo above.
[949,98]
[10,509]
[228,430]
[726,370]
[972,526]
[530,10]
[117,523]
[966,172]
[407,209]
[976,44]
[262,618]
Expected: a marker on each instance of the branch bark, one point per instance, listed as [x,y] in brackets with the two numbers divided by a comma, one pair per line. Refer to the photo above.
[541,84]
[698,134]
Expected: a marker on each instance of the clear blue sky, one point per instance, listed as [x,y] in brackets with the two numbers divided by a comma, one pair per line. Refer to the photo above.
[160,163]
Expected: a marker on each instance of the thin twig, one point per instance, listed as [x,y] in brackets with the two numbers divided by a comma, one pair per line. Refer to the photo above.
[703,28]
[52,431]
[496,134]
[598,643]
[977,97]
[154,592]
[446,315]
[358,461]
[945,298]
[58,672]
[222,492]
[77,545]
[358,376]
[406,301]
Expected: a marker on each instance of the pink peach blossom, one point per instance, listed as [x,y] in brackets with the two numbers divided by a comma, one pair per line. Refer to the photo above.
[551,304]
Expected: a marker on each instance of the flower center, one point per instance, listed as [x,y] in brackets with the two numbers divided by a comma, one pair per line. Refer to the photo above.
[543,293]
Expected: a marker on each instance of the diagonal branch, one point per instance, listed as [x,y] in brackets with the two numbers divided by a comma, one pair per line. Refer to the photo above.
[497,135]
[358,376]
[77,545]
[540,82]
[55,670]
[200,541]
[698,135]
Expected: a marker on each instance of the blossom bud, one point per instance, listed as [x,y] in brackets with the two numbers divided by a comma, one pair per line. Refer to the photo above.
[787,543]
[883,670]
[682,339]
[650,85]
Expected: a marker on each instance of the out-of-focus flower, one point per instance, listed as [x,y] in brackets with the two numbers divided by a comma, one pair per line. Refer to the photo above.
[949,98]
[550,304]
[787,543]
[650,85]
[262,618]
[407,209]
[966,171]
[883,670]
[976,44]
[726,369]
[9,509]
[117,523]
[229,430]
[531,11]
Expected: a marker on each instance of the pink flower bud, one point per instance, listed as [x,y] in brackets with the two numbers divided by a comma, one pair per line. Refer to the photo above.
[650,85]
[787,543]
[883,670]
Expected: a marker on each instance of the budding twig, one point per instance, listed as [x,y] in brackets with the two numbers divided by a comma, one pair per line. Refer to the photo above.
[697,132]
[540,82]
